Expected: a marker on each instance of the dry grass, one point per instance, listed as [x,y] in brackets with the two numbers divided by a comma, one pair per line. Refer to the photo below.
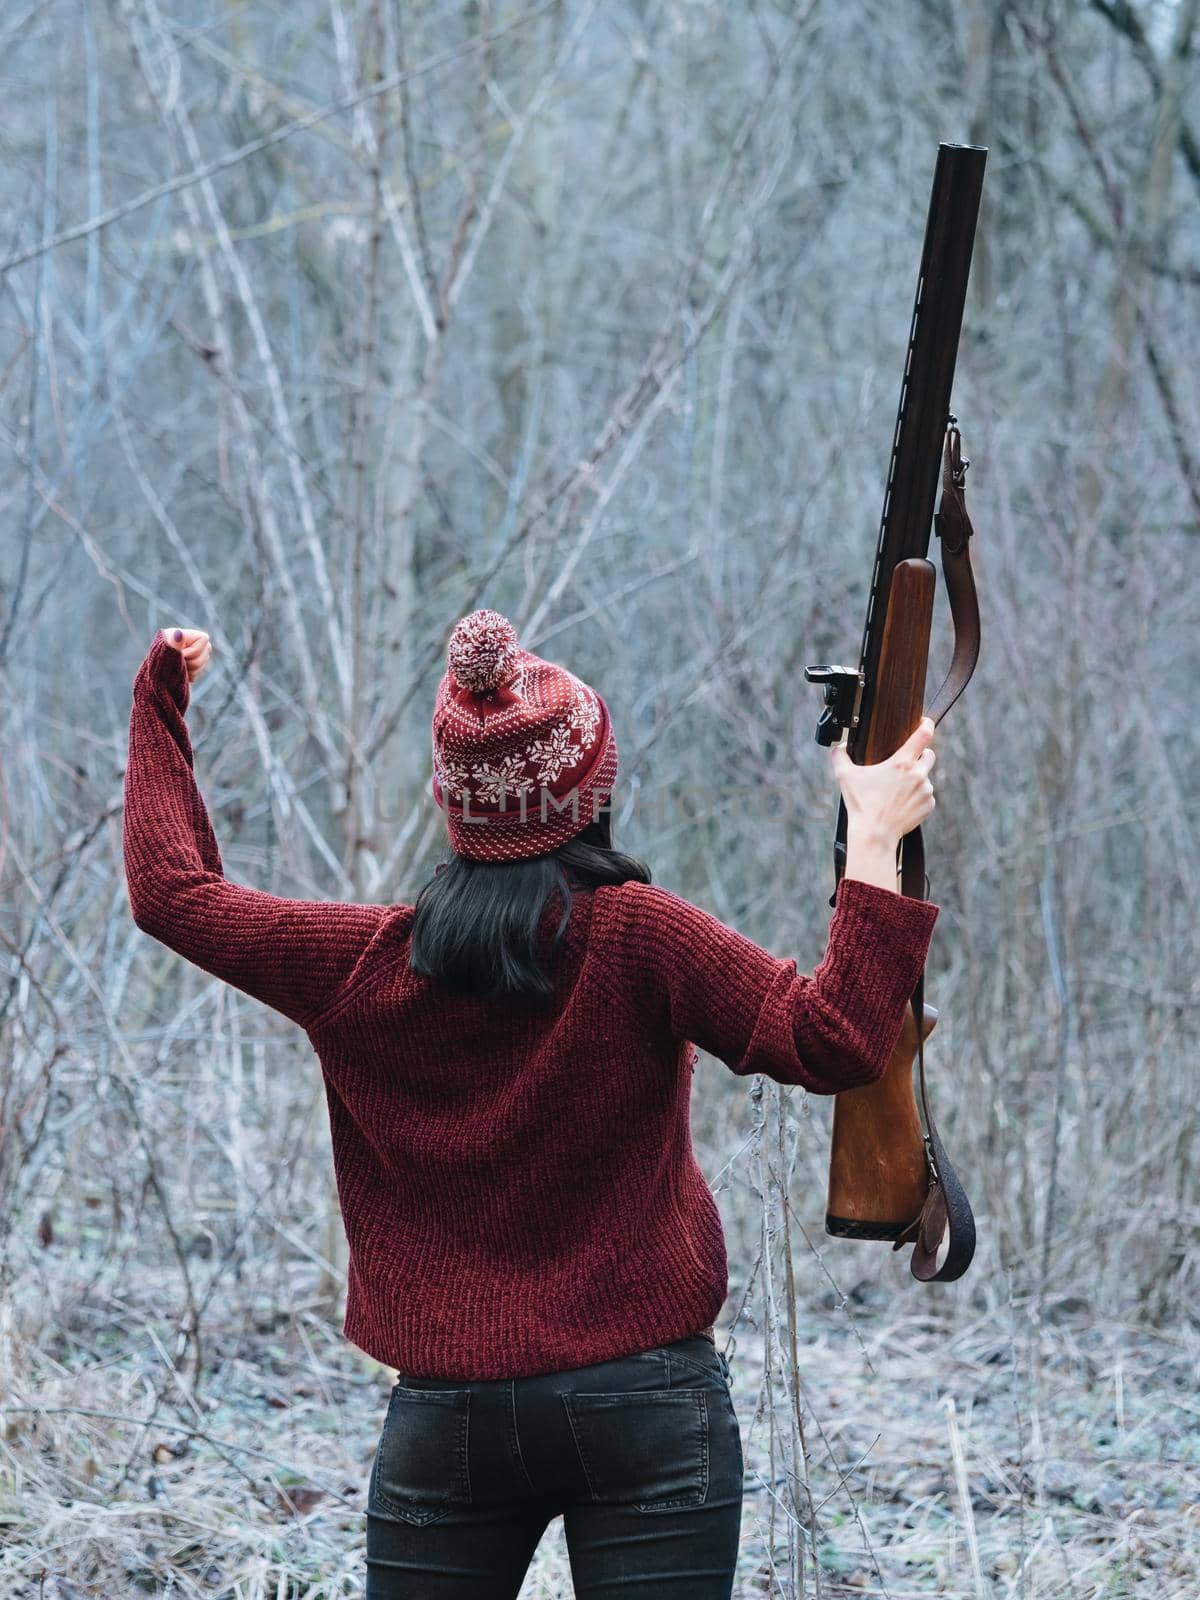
[996,1458]
[986,1460]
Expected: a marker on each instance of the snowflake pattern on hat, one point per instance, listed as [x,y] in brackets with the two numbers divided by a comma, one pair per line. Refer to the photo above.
[507,777]
[452,776]
[584,715]
[552,756]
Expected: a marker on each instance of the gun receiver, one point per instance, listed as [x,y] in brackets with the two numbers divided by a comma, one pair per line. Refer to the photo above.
[843,696]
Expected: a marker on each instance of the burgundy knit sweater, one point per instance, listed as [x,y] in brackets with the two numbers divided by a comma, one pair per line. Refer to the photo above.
[517,1184]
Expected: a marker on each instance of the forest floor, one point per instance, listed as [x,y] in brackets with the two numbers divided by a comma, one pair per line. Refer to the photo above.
[993,1459]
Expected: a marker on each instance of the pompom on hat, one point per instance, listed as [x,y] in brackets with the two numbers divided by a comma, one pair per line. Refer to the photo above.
[524,755]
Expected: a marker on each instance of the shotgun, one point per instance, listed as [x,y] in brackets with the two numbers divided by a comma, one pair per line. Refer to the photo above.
[888,1179]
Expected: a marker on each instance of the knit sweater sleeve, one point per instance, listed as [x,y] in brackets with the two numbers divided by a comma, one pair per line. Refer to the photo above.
[829,1030]
[291,954]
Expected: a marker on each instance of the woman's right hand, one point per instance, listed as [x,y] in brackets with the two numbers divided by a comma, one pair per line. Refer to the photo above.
[194,645]
[888,799]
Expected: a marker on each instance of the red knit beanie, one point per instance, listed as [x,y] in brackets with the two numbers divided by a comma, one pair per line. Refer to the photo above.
[523,750]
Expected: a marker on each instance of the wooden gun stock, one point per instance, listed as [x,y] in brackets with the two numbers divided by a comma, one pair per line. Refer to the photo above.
[878,1174]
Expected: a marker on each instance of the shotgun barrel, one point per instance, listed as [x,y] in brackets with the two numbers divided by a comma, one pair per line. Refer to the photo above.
[924,409]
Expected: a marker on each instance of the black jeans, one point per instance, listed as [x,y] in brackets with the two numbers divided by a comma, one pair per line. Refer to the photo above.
[641,1456]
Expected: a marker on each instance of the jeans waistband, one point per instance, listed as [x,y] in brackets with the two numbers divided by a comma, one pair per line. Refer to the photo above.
[703,1333]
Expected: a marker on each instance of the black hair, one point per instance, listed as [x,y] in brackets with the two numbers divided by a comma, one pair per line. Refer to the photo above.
[478,923]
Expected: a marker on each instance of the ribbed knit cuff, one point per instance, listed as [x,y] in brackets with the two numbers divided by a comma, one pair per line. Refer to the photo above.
[164,669]
[878,943]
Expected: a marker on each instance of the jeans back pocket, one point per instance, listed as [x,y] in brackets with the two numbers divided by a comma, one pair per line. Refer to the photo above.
[421,1467]
[647,1448]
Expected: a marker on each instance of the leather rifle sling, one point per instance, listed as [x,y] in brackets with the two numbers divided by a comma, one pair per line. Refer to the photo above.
[946,1213]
